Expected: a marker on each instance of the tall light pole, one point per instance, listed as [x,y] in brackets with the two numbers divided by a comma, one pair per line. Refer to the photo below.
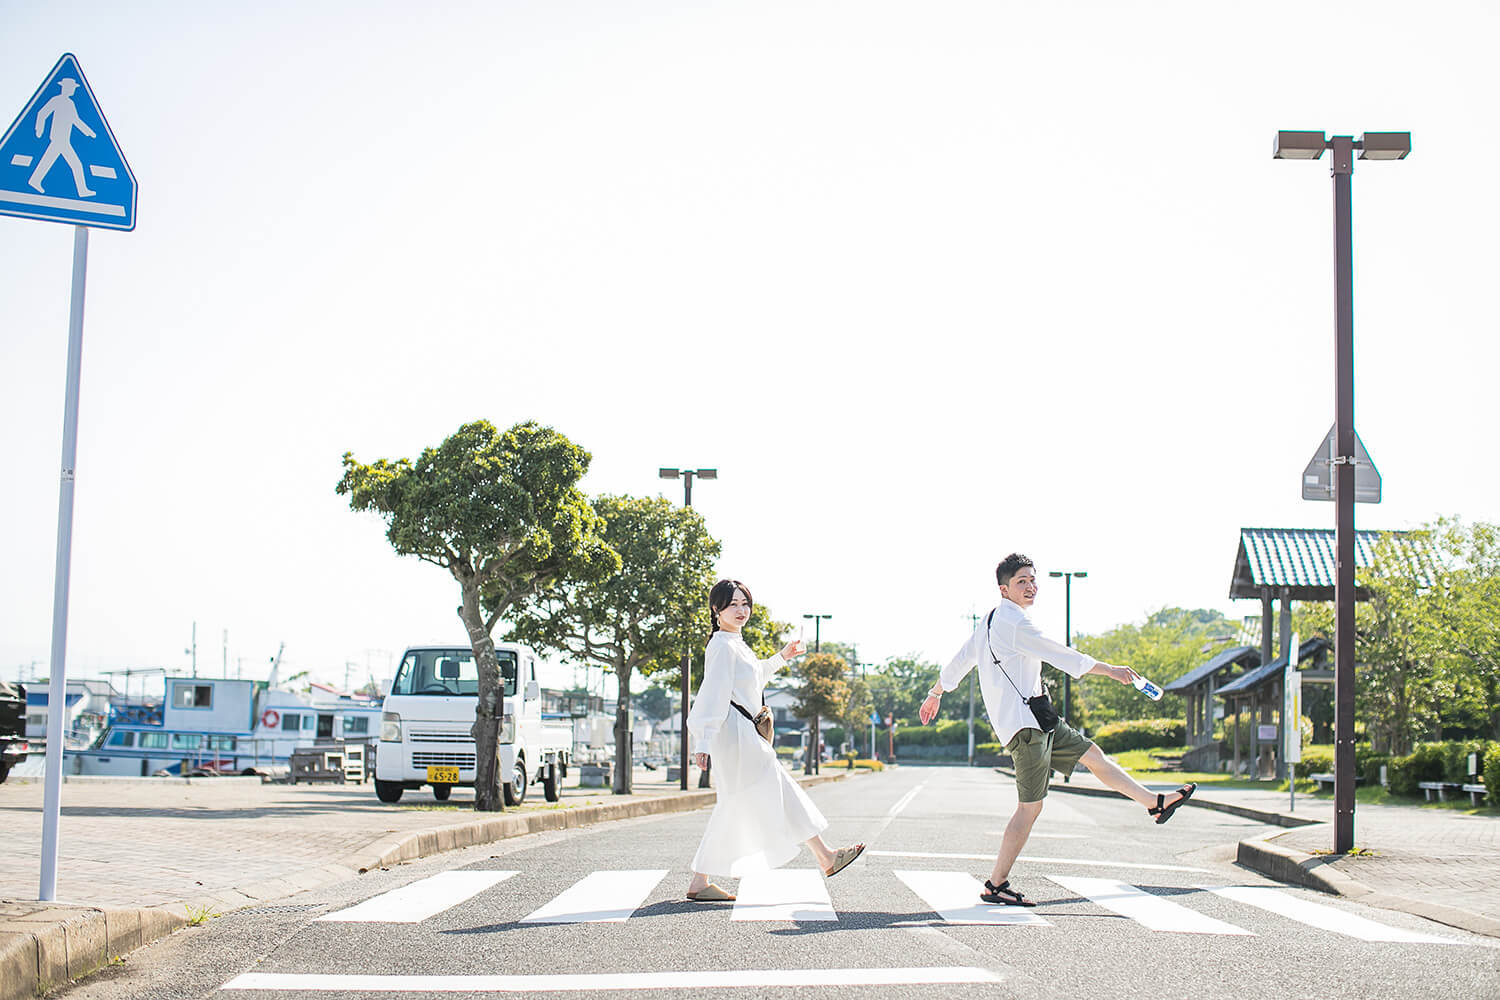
[1371,146]
[812,757]
[1067,576]
[687,658]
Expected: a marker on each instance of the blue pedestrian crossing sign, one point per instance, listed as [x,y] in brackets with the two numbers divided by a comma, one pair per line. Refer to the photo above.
[59,160]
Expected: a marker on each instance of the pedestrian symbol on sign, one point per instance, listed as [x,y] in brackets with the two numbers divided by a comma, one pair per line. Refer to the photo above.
[64,115]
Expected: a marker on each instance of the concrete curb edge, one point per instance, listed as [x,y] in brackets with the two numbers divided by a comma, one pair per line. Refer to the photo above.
[64,943]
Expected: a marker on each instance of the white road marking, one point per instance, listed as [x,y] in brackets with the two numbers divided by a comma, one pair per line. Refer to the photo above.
[756,979]
[1151,911]
[1320,916]
[904,801]
[420,900]
[1042,836]
[954,896]
[600,897]
[1037,860]
[783,894]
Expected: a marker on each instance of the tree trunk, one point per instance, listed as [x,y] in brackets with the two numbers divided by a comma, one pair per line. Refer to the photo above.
[491,703]
[624,758]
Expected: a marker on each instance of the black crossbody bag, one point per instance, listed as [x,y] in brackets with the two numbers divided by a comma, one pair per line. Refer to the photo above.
[1040,705]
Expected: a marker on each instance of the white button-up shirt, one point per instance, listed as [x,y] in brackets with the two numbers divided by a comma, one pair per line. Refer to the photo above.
[1012,638]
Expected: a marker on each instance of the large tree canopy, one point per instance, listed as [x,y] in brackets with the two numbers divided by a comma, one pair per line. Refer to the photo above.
[503,514]
[1168,644]
[638,618]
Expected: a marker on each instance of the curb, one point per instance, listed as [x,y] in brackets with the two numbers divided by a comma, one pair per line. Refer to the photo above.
[43,950]
[1285,864]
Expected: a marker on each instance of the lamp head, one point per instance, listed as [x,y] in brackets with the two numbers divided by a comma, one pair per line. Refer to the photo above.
[669,473]
[1299,145]
[1384,145]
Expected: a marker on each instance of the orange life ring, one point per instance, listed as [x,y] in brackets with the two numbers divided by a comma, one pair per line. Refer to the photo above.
[270,718]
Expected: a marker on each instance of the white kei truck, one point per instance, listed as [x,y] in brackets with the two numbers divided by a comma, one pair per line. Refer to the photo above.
[426,726]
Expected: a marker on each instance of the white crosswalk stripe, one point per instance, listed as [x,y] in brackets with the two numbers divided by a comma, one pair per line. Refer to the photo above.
[601,897]
[954,896]
[784,894]
[798,895]
[1154,912]
[1318,915]
[416,902]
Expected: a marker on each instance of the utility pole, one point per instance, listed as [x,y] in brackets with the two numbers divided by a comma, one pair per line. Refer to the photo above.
[687,657]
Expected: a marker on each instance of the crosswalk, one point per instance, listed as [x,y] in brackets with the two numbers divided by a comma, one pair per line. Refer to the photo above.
[798,895]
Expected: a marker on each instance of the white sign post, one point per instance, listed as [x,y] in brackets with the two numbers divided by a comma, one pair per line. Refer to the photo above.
[1291,720]
[59,162]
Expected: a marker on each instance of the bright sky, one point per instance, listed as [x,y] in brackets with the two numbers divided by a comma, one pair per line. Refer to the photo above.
[925,282]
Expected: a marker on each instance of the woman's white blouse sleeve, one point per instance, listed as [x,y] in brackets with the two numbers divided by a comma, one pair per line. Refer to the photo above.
[770,667]
[711,707]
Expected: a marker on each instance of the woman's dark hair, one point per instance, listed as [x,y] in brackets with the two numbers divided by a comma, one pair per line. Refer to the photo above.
[721,595]
[1010,566]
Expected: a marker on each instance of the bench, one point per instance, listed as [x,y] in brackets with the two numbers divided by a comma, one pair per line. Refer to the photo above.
[1442,788]
[1476,792]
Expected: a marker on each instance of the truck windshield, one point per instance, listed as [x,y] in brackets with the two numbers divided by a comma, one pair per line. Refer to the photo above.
[449,672]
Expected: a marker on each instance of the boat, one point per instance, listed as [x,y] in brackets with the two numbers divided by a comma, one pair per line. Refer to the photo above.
[211,725]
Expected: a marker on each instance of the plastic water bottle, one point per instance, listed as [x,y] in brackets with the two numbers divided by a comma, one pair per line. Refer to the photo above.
[1146,688]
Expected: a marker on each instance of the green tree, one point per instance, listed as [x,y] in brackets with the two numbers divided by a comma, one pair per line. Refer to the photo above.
[655,702]
[503,514]
[898,686]
[1168,644]
[823,690]
[856,714]
[637,618]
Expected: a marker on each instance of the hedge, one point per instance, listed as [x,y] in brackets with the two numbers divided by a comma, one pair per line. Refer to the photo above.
[1141,734]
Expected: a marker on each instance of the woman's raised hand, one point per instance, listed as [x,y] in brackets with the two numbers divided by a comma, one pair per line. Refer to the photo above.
[793,649]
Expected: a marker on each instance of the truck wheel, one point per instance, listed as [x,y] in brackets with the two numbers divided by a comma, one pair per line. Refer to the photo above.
[515,788]
[441,792]
[4,773]
[388,791]
[551,786]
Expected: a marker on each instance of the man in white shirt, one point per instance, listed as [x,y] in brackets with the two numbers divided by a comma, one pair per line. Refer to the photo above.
[1009,649]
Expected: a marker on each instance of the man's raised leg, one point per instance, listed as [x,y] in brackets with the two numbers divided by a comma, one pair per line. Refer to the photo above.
[1116,777]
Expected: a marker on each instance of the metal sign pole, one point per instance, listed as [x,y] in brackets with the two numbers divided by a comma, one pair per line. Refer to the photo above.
[57,711]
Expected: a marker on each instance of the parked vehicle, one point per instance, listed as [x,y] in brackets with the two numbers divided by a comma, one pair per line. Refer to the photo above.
[14,747]
[426,729]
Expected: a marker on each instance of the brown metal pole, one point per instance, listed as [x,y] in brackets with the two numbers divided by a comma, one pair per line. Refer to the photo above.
[687,663]
[1343,496]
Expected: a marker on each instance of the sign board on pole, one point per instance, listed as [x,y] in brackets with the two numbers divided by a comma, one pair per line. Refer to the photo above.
[1266,733]
[1317,478]
[1291,706]
[59,161]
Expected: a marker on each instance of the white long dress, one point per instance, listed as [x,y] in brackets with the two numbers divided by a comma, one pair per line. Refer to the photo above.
[762,816]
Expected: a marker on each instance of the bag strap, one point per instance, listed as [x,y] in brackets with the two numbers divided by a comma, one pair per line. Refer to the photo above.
[988,622]
[744,711]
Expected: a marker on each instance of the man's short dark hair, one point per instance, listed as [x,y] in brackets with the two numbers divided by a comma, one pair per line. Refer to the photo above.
[1010,566]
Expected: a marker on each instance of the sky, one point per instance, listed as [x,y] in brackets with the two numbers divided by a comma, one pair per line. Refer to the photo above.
[925,283]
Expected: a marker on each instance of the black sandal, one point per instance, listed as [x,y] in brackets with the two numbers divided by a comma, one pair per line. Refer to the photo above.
[1003,894]
[1164,812]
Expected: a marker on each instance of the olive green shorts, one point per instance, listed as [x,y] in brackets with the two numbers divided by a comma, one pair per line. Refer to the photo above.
[1035,753]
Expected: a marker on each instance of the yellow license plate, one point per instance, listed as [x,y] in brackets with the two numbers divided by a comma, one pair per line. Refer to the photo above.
[442,775]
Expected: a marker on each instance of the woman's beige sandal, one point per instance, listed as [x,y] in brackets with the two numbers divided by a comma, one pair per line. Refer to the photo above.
[711,893]
[841,859]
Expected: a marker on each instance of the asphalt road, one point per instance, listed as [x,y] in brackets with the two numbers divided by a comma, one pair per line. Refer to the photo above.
[1126,911]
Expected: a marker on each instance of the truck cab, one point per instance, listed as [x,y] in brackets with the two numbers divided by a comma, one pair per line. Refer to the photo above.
[426,730]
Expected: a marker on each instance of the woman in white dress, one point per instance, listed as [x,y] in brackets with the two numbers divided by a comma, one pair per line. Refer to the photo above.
[762,816]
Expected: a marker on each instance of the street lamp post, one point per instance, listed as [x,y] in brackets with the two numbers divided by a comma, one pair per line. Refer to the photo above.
[1067,576]
[687,660]
[812,756]
[1371,146]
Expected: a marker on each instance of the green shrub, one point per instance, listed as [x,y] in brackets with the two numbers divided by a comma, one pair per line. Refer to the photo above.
[1425,763]
[1140,734]
[1314,762]
[1368,765]
[1492,776]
